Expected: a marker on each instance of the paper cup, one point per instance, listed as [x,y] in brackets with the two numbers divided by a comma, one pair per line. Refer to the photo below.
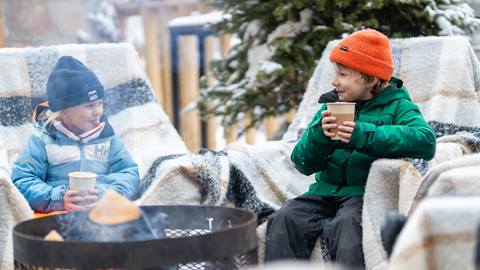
[342,111]
[83,181]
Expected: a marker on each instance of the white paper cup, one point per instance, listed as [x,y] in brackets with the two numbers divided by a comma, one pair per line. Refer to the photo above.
[342,111]
[83,181]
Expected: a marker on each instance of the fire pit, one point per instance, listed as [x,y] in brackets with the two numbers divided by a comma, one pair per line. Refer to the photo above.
[178,237]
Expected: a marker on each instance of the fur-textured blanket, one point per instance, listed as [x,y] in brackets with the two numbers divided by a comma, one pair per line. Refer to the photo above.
[129,103]
[256,178]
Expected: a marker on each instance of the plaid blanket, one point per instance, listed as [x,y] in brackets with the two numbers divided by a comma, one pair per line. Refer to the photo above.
[398,185]
[440,234]
[129,103]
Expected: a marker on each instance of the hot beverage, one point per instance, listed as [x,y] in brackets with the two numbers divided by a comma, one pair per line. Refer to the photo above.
[342,111]
[82,181]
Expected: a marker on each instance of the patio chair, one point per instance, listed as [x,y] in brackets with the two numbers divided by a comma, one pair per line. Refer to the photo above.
[443,77]
[130,105]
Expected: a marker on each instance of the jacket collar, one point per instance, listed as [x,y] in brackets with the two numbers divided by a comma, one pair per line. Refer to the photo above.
[38,119]
[395,90]
[85,137]
[107,131]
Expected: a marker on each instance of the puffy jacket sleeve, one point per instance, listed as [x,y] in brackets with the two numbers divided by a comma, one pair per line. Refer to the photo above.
[313,148]
[123,174]
[409,137]
[28,175]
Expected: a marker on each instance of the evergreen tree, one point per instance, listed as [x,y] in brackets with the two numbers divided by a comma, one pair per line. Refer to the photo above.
[280,41]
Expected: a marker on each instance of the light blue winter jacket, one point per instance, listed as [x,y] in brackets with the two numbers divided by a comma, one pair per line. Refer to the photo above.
[41,170]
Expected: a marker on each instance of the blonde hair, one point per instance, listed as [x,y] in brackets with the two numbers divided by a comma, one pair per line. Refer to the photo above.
[377,88]
[48,116]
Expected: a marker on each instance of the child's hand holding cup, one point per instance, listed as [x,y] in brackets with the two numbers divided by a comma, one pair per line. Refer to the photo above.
[82,194]
[336,114]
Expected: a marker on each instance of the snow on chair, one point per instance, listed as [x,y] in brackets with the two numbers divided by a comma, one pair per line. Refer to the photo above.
[129,103]
[442,75]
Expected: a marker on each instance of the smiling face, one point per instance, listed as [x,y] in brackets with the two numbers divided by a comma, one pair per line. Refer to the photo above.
[83,117]
[350,85]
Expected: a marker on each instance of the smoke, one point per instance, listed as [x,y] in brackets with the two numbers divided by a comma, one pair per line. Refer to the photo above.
[78,227]
[154,224]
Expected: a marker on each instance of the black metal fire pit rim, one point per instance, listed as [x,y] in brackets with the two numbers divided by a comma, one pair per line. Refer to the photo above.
[239,238]
[251,220]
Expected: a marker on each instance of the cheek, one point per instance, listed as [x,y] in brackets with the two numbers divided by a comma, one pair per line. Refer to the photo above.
[80,118]
[86,118]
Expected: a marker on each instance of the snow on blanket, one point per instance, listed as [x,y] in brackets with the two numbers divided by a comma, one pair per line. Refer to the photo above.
[129,103]
[442,75]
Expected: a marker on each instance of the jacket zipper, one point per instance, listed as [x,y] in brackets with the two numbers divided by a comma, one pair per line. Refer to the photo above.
[82,156]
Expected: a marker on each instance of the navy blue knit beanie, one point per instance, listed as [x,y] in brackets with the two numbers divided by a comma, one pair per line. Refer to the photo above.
[71,83]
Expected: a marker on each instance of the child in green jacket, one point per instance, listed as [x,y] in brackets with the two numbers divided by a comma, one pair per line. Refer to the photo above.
[387,125]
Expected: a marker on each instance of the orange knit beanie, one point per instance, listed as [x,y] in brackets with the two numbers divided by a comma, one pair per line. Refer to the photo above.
[367,51]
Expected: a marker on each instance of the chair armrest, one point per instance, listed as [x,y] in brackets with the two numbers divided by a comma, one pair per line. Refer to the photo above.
[14,209]
[435,173]
[381,197]
[395,185]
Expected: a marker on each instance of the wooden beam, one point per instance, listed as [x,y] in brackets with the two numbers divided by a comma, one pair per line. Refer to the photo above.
[212,121]
[290,115]
[225,45]
[272,124]
[250,133]
[231,133]
[165,63]
[152,52]
[189,82]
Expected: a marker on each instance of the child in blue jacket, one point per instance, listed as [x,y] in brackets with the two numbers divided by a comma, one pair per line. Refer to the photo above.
[73,135]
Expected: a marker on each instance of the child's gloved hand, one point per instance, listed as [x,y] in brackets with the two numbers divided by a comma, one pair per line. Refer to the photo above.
[328,124]
[345,131]
[75,200]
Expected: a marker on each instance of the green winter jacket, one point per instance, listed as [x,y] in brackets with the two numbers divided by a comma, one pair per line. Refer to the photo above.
[389,125]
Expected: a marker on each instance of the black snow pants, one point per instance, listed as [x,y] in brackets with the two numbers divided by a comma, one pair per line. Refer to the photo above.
[293,230]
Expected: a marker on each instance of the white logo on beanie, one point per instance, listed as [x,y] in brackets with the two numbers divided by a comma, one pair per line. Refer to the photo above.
[92,95]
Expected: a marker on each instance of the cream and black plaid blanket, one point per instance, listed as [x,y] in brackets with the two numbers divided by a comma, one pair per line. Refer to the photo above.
[129,103]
